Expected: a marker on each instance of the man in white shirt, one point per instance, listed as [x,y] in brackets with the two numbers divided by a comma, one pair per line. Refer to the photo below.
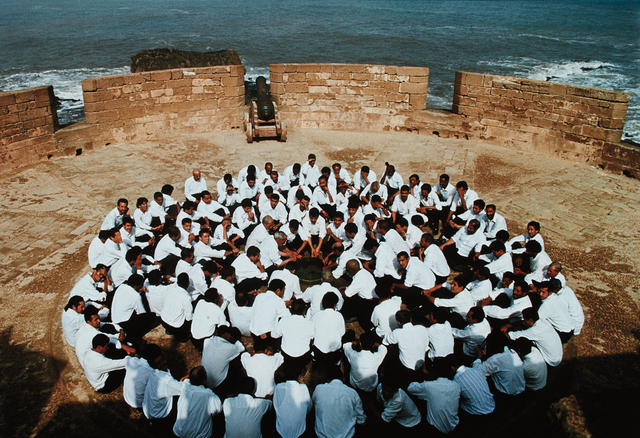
[474,334]
[115,216]
[157,404]
[365,357]
[104,374]
[128,311]
[243,413]
[261,365]
[392,180]
[96,247]
[194,185]
[338,409]
[268,309]
[417,277]
[196,406]
[494,222]
[404,204]
[310,171]
[462,200]
[217,353]
[397,405]
[248,267]
[297,333]
[374,189]
[458,249]
[292,175]
[430,207]
[177,311]
[292,403]
[363,178]
[554,310]
[413,344]
[542,334]
[360,297]
[433,258]
[329,328]
[73,318]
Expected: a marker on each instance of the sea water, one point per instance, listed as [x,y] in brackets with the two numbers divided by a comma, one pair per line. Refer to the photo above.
[593,43]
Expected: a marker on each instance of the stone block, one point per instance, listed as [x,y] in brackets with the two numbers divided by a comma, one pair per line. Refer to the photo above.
[419,79]
[377,84]
[558,89]
[296,88]
[25,96]
[375,69]
[392,87]
[418,101]
[349,68]
[318,90]
[506,83]
[366,77]
[413,71]
[611,123]
[233,91]
[308,68]
[106,116]
[326,68]
[391,70]
[180,83]
[369,91]
[413,88]
[133,112]
[161,75]
[7,98]
[277,88]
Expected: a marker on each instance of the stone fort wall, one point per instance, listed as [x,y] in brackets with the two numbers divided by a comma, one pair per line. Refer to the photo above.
[576,123]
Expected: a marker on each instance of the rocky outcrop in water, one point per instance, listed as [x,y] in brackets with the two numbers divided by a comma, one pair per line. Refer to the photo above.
[163,59]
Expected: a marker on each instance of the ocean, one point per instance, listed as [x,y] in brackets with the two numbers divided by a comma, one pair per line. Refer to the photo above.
[593,43]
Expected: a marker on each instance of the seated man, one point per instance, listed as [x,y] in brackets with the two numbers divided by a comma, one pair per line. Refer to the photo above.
[374,189]
[324,198]
[223,185]
[316,229]
[404,205]
[245,217]
[217,353]
[196,406]
[462,200]
[337,407]
[392,180]
[115,216]
[243,413]
[363,178]
[261,366]
[248,267]
[430,207]
[533,233]
[494,222]
[458,248]
[103,374]
[194,185]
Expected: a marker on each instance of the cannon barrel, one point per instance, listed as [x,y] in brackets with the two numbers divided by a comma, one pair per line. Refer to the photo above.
[265,106]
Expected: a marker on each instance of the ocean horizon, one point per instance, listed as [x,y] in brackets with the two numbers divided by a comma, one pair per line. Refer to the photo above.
[592,43]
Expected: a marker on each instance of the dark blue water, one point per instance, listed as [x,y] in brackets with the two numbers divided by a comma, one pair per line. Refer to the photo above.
[591,43]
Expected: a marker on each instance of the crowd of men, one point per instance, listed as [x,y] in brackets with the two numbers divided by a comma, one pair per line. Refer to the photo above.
[447,319]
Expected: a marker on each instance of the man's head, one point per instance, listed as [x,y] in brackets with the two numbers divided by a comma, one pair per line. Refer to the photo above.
[478,206]
[251,180]
[206,197]
[352,267]
[205,236]
[458,284]
[490,210]
[122,205]
[427,240]
[196,175]
[329,300]
[520,289]
[311,159]
[473,226]
[154,356]
[99,272]
[403,317]
[554,269]
[280,238]
[277,287]
[351,230]
[76,303]
[274,200]
[198,376]
[497,248]
[384,226]
[533,228]
[253,252]
[91,317]
[444,180]
[533,247]
[403,259]
[100,343]
[475,315]
[425,189]
[414,180]
[404,192]
[267,221]
[530,316]
[462,186]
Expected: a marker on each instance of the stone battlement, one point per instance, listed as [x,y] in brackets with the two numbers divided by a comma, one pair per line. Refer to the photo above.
[576,123]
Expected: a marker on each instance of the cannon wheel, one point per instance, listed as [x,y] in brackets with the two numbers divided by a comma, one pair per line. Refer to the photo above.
[283,132]
[249,133]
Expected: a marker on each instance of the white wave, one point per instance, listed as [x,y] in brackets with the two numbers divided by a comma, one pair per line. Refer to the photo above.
[438,102]
[180,11]
[253,72]
[66,83]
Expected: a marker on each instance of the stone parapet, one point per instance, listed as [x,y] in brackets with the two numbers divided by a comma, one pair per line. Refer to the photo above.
[126,107]
[566,112]
[348,96]
[28,119]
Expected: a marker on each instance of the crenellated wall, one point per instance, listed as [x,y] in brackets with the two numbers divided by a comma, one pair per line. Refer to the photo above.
[126,107]
[28,119]
[348,96]
[576,123]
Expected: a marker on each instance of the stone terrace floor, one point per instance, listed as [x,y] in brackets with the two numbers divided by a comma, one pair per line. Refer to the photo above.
[50,212]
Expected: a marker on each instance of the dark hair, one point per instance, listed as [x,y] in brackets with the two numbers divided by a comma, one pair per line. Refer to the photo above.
[403,316]
[89,311]
[74,301]
[252,251]
[533,246]
[445,177]
[247,385]
[530,313]
[135,280]
[329,300]
[534,224]
[502,235]
[99,340]
[167,189]
[351,228]
[479,203]
[298,307]
[497,246]
[155,277]
[211,295]
[462,185]
[276,284]
[133,254]
[198,375]
[477,313]
[121,200]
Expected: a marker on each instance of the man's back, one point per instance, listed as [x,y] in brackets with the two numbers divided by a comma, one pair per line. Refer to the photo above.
[338,408]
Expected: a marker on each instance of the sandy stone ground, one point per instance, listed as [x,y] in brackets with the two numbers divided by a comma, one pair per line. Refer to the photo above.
[52,210]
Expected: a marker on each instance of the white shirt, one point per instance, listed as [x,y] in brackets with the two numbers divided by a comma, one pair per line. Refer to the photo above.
[535,370]
[386,262]
[97,368]
[364,366]
[545,338]
[209,210]
[555,311]
[359,182]
[112,252]
[196,405]
[475,395]
[419,275]
[442,396]
[165,247]
[399,408]
[445,194]
[121,271]
[368,192]
[216,355]
[203,251]
[206,318]
[177,307]
[240,317]
[505,370]
[435,260]
[296,332]
[71,323]
[269,253]
[135,381]
[268,308]
[290,176]
[159,393]
[241,218]
[245,268]
[311,174]
[461,303]
[469,197]
[256,237]
[112,220]
[320,197]
[225,289]
[291,281]
[193,187]
[396,242]
[126,300]
[494,225]
[243,416]
[383,316]
[568,297]
[95,251]
[221,186]
[143,222]
[84,340]
[473,335]
[514,310]
[314,295]
[413,343]
[262,367]
[501,265]
[338,408]
[479,290]
[292,403]
[405,208]
[318,229]
[278,214]
[394,181]
[441,340]
[329,328]
[363,285]
[465,242]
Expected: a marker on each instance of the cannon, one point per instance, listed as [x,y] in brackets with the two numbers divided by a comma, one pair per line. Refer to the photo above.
[263,120]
